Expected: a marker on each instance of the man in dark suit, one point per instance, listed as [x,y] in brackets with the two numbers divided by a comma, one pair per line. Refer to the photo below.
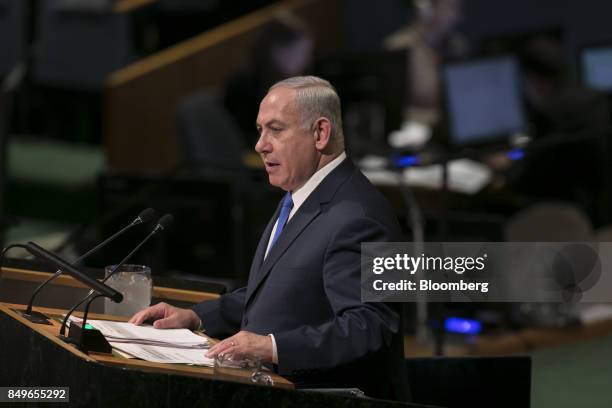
[301,309]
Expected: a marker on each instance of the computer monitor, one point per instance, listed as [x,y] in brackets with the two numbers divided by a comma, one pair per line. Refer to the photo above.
[596,67]
[372,88]
[483,101]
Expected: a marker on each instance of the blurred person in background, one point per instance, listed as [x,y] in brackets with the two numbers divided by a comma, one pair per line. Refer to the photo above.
[572,121]
[431,39]
[283,49]
[557,103]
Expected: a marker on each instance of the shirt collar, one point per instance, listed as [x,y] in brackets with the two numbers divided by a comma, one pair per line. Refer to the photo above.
[301,194]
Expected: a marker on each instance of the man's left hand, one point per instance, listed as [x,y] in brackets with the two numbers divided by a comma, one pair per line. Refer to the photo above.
[242,344]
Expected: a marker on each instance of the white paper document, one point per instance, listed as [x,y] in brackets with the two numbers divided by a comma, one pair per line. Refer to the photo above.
[156,345]
[162,354]
[148,335]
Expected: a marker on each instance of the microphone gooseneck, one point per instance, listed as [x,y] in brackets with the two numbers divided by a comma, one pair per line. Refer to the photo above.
[162,225]
[144,216]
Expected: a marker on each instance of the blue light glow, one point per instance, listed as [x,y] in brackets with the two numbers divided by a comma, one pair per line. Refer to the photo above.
[406,161]
[516,154]
[462,326]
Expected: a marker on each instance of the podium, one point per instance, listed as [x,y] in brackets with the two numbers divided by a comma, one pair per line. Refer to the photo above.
[32,355]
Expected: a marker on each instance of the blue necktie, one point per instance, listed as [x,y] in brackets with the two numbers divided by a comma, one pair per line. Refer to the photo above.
[282,218]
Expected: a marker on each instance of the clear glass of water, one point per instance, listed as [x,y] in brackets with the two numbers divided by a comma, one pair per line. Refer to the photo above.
[135,284]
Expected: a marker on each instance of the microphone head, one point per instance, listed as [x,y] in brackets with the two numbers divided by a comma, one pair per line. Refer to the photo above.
[145,215]
[165,221]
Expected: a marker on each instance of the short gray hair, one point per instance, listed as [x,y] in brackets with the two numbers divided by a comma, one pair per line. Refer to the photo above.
[315,97]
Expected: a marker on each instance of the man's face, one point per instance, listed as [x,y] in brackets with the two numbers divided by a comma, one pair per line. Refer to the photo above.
[286,146]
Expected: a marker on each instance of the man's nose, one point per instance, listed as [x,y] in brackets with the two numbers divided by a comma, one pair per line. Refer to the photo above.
[262,145]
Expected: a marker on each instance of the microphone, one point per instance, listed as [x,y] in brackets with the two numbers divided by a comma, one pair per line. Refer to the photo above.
[99,287]
[36,317]
[144,216]
[162,225]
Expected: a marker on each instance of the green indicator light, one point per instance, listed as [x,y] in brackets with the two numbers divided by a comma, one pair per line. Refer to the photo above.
[88,326]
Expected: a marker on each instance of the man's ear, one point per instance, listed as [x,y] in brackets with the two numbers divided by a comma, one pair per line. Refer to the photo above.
[322,133]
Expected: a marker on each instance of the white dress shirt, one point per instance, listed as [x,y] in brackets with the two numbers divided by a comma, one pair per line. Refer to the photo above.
[300,195]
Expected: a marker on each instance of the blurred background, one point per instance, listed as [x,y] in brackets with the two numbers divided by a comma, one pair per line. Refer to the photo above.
[479,120]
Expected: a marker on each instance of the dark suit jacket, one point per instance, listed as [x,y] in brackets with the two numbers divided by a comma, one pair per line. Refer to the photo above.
[307,292]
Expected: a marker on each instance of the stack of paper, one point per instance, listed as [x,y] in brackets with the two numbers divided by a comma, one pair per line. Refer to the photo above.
[155,345]
[127,332]
[163,354]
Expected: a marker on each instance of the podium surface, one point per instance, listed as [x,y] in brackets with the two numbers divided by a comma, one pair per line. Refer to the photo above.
[51,332]
[33,355]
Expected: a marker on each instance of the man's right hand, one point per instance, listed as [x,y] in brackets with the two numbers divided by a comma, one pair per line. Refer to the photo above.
[166,316]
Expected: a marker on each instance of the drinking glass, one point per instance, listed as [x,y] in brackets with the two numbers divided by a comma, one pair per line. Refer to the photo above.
[135,284]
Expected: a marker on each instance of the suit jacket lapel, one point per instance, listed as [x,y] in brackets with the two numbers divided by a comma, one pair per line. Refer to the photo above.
[262,246]
[292,229]
[309,210]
